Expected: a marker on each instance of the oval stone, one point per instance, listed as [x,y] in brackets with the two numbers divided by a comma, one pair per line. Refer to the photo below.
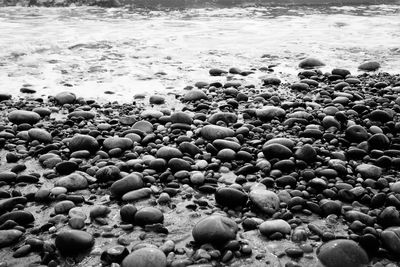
[343,253]
[74,242]
[215,229]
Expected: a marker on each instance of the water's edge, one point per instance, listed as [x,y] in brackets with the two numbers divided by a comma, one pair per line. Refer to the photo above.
[178,4]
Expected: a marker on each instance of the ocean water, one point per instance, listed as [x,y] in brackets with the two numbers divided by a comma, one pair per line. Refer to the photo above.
[94,51]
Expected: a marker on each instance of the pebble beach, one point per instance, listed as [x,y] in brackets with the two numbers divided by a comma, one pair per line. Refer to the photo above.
[226,173]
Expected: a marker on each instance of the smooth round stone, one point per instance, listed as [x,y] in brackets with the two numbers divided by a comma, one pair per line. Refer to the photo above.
[194,95]
[306,153]
[58,190]
[40,135]
[9,237]
[294,252]
[181,117]
[343,253]
[369,171]
[341,72]
[167,153]
[156,100]
[230,197]
[74,242]
[226,154]
[148,215]
[270,227]
[215,229]
[268,113]
[65,98]
[276,151]
[222,144]
[8,176]
[380,115]
[265,200]
[356,133]
[72,182]
[395,187]
[145,257]
[226,117]
[23,116]
[144,126]
[176,165]
[63,207]
[127,213]
[129,183]
[212,132]
[330,121]
[272,81]
[197,178]
[379,141]
[123,143]
[66,167]
[83,142]
[369,66]
[309,63]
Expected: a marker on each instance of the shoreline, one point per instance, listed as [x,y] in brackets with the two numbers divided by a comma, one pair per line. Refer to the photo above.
[182,4]
[277,173]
